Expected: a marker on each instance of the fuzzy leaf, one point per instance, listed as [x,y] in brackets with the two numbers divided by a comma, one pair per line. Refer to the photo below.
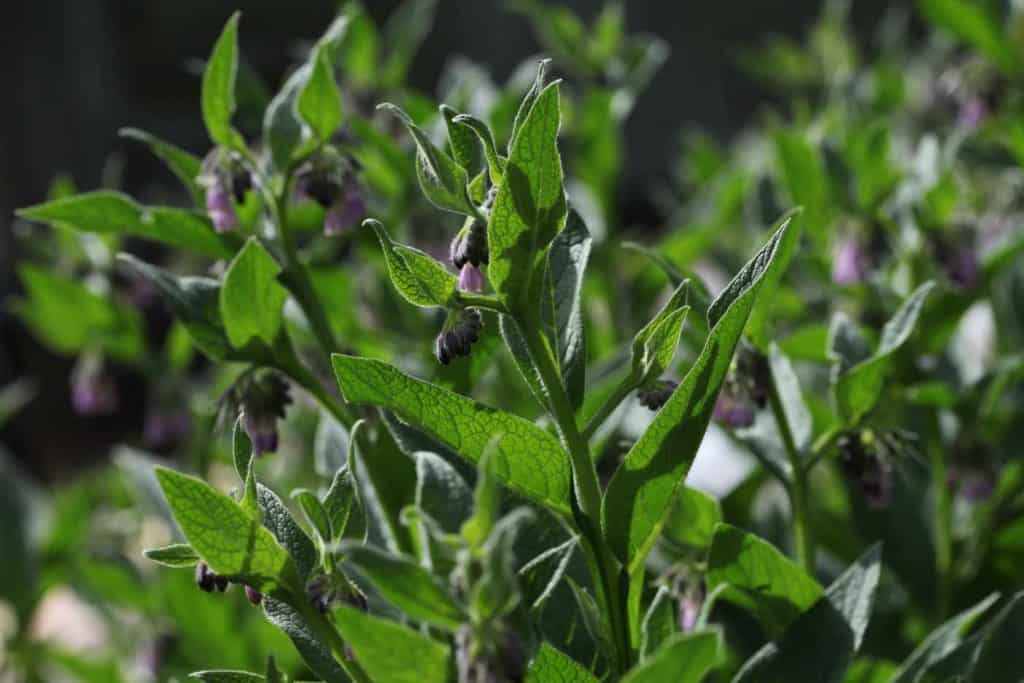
[657,341]
[527,459]
[495,162]
[460,139]
[279,521]
[344,510]
[251,299]
[550,665]
[218,93]
[390,652]
[418,277]
[308,642]
[314,512]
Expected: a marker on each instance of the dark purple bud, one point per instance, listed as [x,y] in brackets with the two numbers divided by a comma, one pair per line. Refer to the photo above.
[461,330]
[206,580]
[263,399]
[471,279]
[346,211]
[654,396]
[253,595]
[241,182]
[849,262]
[93,393]
[733,411]
[470,245]
[220,208]
[261,428]
[320,592]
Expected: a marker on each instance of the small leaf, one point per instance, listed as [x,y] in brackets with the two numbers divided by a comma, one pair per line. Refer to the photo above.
[684,658]
[279,521]
[858,390]
[319,102]
[343,507]
[640,494]
[406,585]
[527,458]
[184,165]
[418,277]
[550,665]
[759,578]
[442,180]
[650,346]
[460,139]
[529,99]
[659,623]
[251,299]
[314,512]
[241,450]
[390,652]
[694,518]
[174,555]
[218,93]
[495,162]
[794,408]
[230,541]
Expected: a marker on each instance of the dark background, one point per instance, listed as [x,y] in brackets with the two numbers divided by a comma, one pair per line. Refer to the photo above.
[74,71]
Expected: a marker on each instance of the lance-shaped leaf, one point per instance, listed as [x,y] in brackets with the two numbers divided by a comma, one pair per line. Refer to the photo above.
[218,92]
[390,652]
[112,213]
[343,507]
[759,578]
[640,495]
[175,555]
[683,658]
[314,512]
[251,299]
[442,180]
[529,99]
[655,344]
[794,408]
[319,102]
[460,139]
[858,389]
[758,330]
[530,208]
[309,641]
[495,162]
[421,279]
[386,478]
[406,585]
[184,165]
[229,540]
[279,521]
[821,643]
[562,307]
[526,458]
[978,26]
[550,665]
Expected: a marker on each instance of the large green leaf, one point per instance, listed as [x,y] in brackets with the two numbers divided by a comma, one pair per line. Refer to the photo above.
[820,645]
[550,665]
[640,495]
[251,299]
[112,213]
[530,208]
[391,653]
[759,578]
[218,93]
[683,658]
[229,540]
[526,458]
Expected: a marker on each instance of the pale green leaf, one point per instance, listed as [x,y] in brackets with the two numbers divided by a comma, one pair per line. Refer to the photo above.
[251,299]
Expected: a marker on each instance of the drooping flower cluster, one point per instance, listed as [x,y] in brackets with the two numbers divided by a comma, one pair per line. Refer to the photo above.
[331,180]
[225,181]
[745,390]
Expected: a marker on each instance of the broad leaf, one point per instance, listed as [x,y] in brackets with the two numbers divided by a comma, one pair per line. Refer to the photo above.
[640,494]
[550,665]
[683,658]
[530,208]
[230,541]
[175,555]
[759,578]
[527,459]
[419,278]
[392,653]
[319,102]
[251,299]
[218,93]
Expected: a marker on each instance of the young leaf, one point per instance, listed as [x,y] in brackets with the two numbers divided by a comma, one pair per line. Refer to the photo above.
[184,165]
[251,299]
[112,213]
[821,643]
[319,102]
[406,585]
[218,93]
[529,99]
[659,624]
[230,541]
[694,519]
[418,277]
[390,652]
[757,329]
[343,507]
[640,494]
[279,521]
[530,208]
[550,665]
[858,390]
[657,340]
[314,512]
[527,458]
[794,408]
[684,658]
[442,180]
[460,139]
[175,555]
[759,578]
[495,162]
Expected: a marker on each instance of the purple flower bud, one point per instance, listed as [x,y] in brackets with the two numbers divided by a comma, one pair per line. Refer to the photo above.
[733,411]
[461,330]
[849,262]
[471,279]
[689,611]
[346,211]
[206,580]
[262,432]
[253,595]
[93,393]
[220,208]
[655,396]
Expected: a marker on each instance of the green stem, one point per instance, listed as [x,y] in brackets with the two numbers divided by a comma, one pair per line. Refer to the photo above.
[798,488]
[620,393]
[587,490]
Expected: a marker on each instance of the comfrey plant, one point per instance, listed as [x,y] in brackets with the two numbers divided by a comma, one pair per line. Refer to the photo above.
[552,538]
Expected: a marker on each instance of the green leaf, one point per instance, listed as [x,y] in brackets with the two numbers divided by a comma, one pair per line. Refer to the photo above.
[112,213]
[794,408]
[306,638]
[241,450]
[418,277]
[758,330]
[530,208]
[562,307]
[314,512]
[251,299]
[224,676]
[174,555]
[659,624]
[403,33]
[442,180]
[387,480]
[640,494]
[684,658]
[391,653]
[975,24]
[184,165]
[343,507]
[495,162]
[218,93]
[229,540]
[805,177]
[694,518]
[759,578]
[821,643]
[194,301]
[550,665]
[461,140]
[529,99]
[655,344]
[70,318]
[441,492]
[319,102]
[858,390]
[406,585]
[941,642]
[279,521]
[527,459]
[999,653]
